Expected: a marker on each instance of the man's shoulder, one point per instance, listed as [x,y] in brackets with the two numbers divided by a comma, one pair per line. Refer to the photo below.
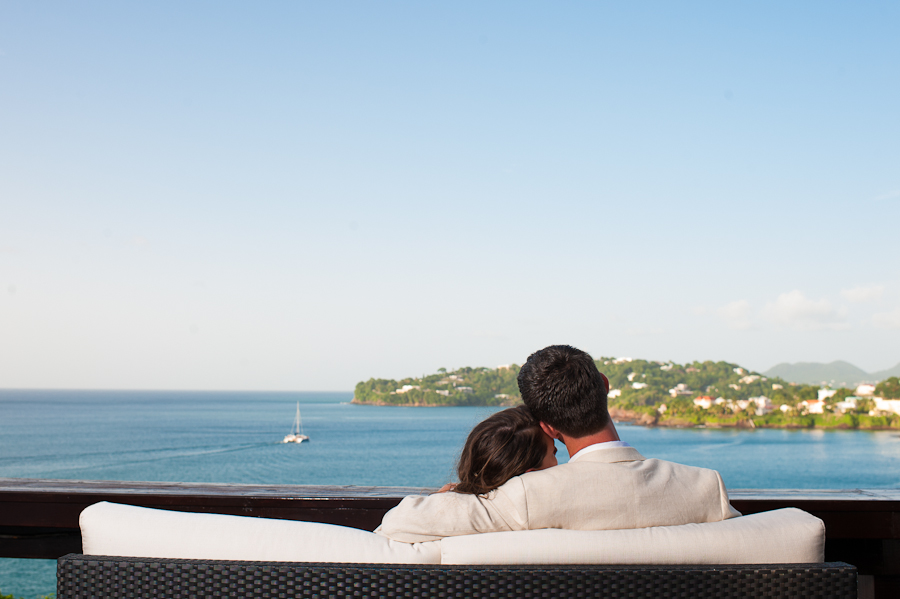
[604,467]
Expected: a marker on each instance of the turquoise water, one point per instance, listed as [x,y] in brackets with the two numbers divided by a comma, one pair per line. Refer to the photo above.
[234,437]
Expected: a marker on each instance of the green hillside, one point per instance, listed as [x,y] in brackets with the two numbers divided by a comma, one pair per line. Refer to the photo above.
[715,379]
[641,383]
[655,393]
[463,387]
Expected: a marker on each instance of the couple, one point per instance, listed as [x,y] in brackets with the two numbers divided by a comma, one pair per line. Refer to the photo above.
[509,479]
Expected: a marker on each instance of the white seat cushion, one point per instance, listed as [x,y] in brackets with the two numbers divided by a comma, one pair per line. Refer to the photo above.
[124,530]
[778,537]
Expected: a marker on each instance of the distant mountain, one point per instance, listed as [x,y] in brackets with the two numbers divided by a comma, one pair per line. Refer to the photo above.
[836,374]
[886,374]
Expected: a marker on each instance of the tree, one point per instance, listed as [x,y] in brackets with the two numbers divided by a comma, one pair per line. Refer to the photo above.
[888,388]
[864,406]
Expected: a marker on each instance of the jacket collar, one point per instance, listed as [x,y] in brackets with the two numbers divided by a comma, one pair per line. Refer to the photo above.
[611,455]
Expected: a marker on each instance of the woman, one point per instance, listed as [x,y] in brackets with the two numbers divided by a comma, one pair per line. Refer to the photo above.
[504,445]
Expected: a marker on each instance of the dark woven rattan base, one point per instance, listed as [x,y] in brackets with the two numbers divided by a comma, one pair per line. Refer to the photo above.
[96,577]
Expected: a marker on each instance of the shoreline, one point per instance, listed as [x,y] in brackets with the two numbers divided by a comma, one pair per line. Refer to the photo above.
[430,405]
[646,420]
[385,404]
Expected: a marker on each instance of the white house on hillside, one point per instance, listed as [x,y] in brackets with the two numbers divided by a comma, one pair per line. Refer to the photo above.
[763,405]
[848,405]
[886,405]
[865,389]
[812,406]
[680,389]
[704,402]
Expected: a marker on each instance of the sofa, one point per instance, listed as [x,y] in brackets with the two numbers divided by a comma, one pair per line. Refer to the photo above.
[142,552]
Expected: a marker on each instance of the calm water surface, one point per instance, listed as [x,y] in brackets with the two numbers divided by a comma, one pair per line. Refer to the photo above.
[234,437]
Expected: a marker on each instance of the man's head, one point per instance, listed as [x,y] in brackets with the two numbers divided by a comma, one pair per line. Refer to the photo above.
[563,388]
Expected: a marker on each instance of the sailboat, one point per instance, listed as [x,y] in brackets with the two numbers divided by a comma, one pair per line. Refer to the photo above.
[296,435]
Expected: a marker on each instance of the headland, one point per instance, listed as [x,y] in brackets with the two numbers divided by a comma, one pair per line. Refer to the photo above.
[650,393]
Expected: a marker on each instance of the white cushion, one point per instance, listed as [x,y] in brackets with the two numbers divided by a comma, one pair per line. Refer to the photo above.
[124,530]
[778,537]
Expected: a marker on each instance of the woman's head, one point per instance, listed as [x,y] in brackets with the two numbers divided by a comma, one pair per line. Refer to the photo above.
[504,445]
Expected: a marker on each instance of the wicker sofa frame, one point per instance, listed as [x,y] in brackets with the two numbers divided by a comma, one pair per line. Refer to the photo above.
[100,577]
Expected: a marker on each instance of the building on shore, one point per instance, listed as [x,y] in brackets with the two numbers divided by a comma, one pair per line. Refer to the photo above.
[865,389]
[812,406]
[885,406]
[704,401]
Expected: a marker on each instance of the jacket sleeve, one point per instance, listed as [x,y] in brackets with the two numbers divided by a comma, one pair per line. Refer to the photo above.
[432,517]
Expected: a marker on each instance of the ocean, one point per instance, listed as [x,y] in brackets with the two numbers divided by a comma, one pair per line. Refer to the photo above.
[234,437]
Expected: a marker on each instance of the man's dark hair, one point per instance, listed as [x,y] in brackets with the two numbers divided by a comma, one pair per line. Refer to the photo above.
[562,387]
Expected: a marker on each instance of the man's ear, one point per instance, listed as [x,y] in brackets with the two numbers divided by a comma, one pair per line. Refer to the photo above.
[551,432]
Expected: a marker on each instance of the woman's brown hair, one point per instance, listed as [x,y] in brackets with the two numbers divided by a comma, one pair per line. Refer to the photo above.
[504,445]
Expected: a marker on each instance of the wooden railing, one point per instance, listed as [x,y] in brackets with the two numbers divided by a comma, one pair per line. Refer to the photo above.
[39,518]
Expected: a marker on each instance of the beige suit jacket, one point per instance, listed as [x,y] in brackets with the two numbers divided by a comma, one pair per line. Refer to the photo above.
[607,489]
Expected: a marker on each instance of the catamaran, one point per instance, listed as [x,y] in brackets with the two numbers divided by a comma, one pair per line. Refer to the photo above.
[296,435]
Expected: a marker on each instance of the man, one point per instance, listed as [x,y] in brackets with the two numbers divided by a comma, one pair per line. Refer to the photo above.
[605,485]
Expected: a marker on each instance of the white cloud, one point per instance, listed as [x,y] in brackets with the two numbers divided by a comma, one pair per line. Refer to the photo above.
[887,320]
[863,294]
[736,314]
[795,310]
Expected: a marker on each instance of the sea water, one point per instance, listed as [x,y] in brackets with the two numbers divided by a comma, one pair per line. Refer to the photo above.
[234,437]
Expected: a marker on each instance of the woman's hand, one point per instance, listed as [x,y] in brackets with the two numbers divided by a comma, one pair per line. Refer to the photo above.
[447,487]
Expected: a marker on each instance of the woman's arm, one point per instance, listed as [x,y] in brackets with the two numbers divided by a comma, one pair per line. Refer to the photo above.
[432,517]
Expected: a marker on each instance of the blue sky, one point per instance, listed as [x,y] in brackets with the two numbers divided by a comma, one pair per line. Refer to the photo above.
[305,195]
